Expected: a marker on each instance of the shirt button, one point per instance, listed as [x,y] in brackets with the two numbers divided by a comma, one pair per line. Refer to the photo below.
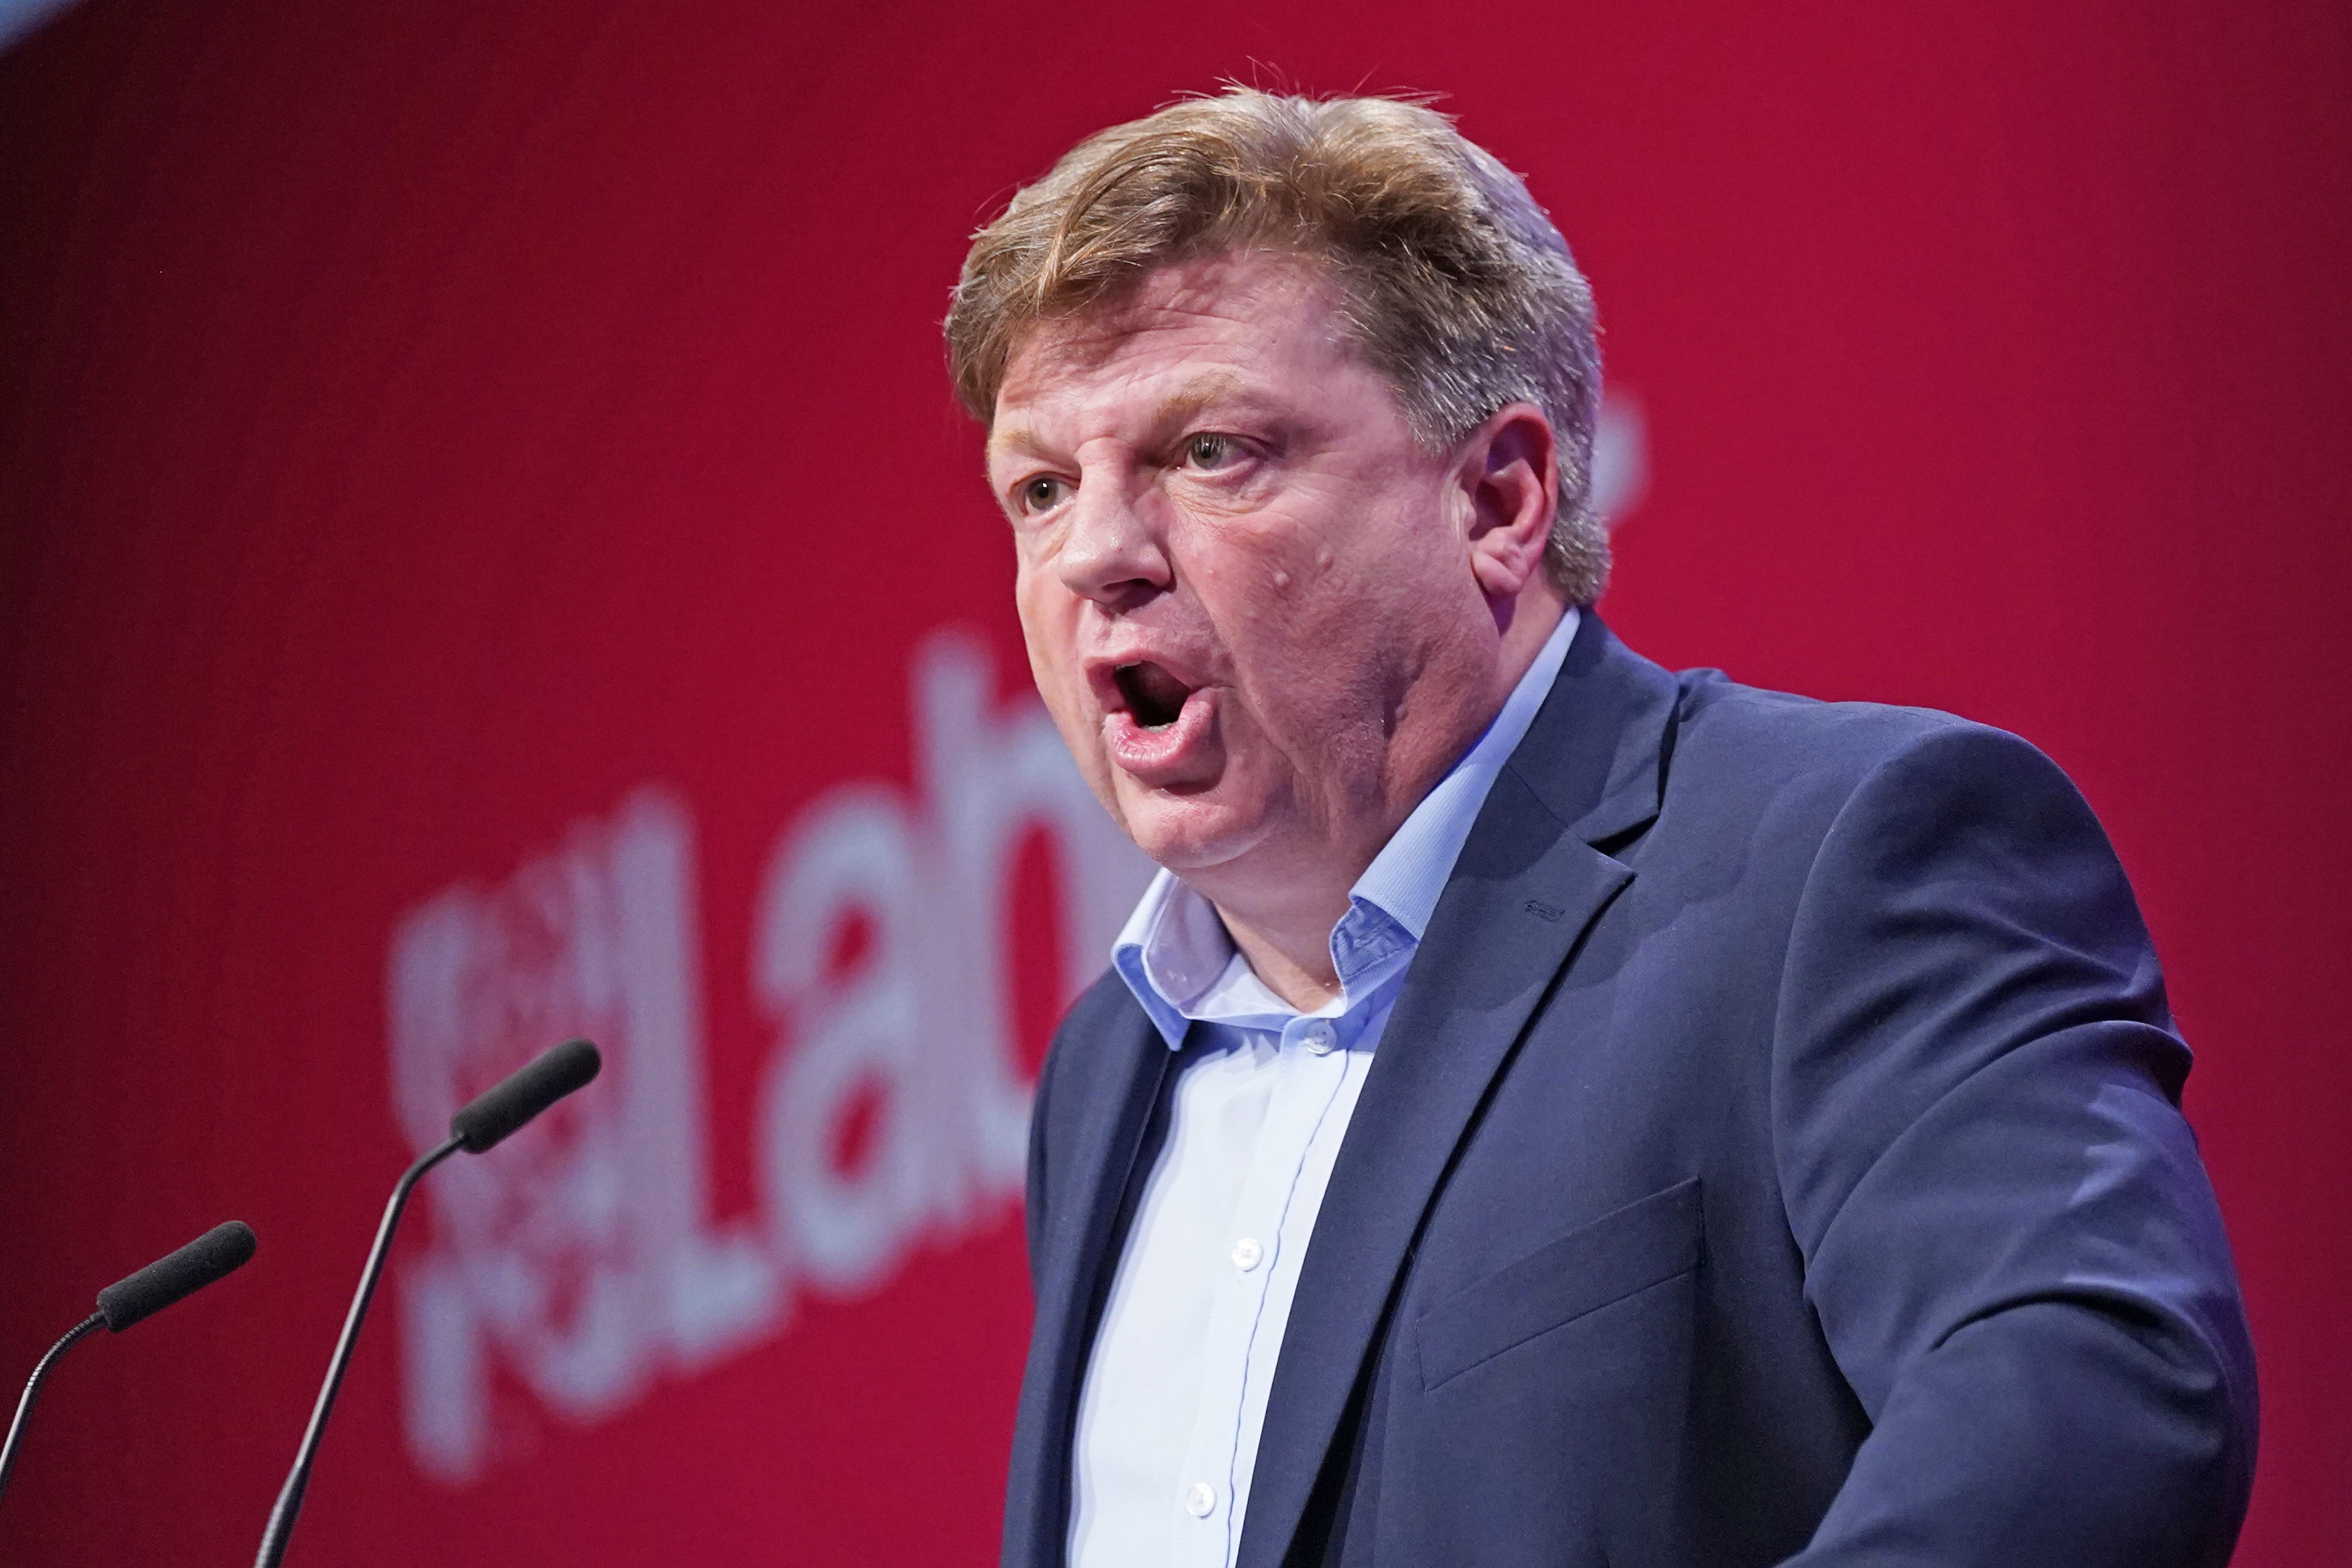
[1320,1038]
[1247,1253]
[1201,1500]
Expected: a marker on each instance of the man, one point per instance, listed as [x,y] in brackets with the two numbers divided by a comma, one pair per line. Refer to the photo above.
[1546,1109]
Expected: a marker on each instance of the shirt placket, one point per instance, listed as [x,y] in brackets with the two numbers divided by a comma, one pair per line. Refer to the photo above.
[1243,1343]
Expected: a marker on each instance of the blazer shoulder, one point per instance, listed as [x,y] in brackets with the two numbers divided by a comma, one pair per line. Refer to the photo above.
[1720,718]
[1775,769]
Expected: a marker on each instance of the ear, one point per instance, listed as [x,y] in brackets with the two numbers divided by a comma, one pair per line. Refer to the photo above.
[1510,482]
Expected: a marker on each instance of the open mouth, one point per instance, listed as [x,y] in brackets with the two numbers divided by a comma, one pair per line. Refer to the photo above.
[1153,695]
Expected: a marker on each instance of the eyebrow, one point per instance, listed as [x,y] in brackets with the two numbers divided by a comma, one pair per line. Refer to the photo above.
[1174,409]
[1195,395]
[1000,442]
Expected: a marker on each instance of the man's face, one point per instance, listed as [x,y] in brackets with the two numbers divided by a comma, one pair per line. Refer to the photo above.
[1245,586]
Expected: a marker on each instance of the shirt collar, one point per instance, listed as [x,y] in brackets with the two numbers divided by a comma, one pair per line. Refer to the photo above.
[1173,951]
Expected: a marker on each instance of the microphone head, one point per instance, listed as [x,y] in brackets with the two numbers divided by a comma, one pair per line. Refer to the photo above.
[221,1250]
[554,1073]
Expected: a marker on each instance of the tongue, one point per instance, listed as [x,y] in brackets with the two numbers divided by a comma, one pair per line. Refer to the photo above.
[1158,696]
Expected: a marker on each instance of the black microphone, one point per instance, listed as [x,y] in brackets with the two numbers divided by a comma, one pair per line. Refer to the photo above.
[481,1126]
[484,1124]
[221,1250]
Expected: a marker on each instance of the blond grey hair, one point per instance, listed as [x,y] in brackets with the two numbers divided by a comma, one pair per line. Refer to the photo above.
[1456,285]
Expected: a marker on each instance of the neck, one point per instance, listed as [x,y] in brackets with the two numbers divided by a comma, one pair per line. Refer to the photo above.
[1281,920]
[1294,964]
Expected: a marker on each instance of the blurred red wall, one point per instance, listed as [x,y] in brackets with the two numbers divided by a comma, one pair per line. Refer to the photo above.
[489,550]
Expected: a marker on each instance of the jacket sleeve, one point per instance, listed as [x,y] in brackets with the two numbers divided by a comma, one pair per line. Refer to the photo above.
[2008,1238]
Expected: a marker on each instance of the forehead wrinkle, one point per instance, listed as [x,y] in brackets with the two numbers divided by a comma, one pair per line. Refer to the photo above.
[1171,296]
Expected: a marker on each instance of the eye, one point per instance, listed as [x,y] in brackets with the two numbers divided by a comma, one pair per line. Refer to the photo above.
[1210,451]
[1042,493]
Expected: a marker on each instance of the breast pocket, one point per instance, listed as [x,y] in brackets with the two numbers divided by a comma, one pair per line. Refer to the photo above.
[1623,1252]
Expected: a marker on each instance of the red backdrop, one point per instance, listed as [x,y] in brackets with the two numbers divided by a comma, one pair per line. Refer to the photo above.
[490,552]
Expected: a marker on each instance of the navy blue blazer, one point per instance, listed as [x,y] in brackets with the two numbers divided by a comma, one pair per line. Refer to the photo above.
[1775,1154]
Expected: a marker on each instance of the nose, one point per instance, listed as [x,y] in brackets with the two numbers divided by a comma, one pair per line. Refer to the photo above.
[1111,552]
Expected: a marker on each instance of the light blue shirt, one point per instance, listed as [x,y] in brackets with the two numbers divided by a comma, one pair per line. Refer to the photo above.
[1176,1387]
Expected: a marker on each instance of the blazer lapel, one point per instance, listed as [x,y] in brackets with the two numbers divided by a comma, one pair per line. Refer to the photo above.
[1130,1065]
[1527,884]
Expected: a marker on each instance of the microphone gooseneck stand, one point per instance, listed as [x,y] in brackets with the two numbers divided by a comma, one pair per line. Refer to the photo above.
[89,1324]
[215,1255]
[290,1499]
[477,1129]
